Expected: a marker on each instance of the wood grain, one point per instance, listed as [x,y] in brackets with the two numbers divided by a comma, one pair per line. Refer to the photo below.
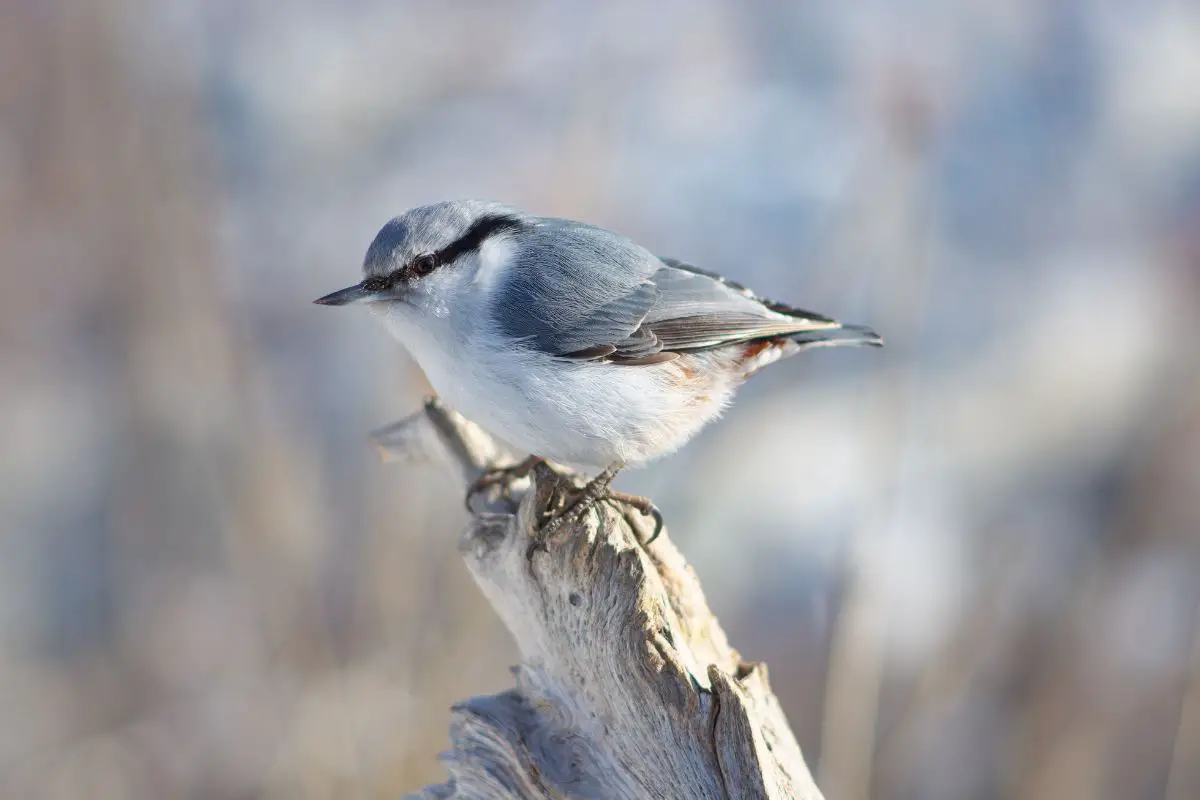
[627,686]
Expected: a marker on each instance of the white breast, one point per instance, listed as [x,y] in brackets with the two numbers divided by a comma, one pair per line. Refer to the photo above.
[587,415]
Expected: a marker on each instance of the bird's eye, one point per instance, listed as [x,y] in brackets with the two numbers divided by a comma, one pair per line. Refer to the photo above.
[423,265]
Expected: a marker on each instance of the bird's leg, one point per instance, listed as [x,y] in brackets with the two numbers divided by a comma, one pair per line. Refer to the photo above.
[599,489]
[596,489]
[504,477]
[593,490]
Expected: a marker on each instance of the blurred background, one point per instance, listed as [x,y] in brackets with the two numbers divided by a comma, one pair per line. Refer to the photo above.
[972,559]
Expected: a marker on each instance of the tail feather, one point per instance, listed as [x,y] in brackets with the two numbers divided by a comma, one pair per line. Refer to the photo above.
[842,336]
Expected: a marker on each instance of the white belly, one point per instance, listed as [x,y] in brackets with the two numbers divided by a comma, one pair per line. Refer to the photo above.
[586,415]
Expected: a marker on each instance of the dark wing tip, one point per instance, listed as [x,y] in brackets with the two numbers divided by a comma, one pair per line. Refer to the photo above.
[842,336]
[865,336]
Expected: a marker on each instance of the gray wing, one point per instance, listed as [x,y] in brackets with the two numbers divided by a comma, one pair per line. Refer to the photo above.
[585,293]
[573,288]
[697,310]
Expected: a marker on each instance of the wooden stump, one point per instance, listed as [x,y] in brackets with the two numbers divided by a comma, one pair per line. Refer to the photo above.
[627,687]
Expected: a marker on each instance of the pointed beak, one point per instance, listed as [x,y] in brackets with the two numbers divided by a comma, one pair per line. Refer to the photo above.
[348,296]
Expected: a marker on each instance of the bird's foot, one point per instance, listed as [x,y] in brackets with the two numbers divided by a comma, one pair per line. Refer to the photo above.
[502,478]
[564,508]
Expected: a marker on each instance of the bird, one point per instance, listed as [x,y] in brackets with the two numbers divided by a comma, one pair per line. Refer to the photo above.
[569,341]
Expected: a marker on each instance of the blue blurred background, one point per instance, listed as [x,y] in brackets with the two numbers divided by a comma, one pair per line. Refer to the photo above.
[972,559]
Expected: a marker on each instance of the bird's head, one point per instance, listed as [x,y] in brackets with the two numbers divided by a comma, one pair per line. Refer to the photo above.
[435,258]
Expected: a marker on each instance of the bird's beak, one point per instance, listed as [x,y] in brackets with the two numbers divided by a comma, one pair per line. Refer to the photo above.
[348,296]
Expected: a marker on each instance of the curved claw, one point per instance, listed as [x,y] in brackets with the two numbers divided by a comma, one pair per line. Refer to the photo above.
[501,476]
[652,511]
[481,484]
[642,505]
[472,490]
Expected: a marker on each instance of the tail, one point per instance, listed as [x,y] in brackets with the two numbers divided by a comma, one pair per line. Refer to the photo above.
[841,336]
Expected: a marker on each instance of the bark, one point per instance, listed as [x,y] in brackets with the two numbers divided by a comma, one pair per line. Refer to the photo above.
[627,687]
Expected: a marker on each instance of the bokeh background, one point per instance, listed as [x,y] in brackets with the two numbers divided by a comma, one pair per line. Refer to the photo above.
[972,559]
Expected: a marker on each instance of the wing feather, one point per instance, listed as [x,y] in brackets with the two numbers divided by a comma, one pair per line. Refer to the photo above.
[588,294]
[571,287]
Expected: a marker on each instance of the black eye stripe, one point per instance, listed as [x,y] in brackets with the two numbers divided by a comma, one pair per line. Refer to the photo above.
[476,235]
[422,265]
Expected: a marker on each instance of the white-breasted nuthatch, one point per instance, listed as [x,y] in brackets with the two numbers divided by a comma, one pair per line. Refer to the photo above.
[569,341]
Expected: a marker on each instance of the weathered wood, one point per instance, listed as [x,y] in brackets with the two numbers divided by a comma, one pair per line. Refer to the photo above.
[627,686]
